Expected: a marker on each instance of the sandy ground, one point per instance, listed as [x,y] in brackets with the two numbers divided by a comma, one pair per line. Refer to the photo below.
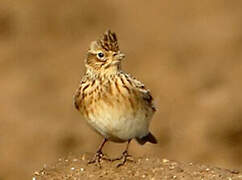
[75,167]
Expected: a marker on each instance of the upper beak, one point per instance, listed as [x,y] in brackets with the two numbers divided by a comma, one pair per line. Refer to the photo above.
[120,56]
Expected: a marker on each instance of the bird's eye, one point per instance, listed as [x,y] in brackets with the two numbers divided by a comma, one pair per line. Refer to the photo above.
[100,55]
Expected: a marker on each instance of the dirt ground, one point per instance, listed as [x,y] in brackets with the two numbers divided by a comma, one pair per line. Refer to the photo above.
[188,53]
[153,168]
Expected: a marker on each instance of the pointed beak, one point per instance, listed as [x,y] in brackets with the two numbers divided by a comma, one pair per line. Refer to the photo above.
[120,56]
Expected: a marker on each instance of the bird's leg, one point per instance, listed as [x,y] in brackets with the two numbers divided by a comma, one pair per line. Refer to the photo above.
[124,156]
[99,154]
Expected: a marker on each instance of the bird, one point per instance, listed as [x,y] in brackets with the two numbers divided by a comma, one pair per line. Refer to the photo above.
[114,103]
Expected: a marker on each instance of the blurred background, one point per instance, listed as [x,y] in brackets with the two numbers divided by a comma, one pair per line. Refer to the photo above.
[188,53]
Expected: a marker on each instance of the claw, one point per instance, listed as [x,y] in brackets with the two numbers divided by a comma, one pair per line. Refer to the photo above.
[100,156]
[97,159]
[125,156]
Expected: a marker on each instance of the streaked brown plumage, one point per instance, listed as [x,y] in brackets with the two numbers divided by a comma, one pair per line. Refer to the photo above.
[115,104]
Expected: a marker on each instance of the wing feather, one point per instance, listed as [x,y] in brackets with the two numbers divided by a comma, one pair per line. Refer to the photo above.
[145,93]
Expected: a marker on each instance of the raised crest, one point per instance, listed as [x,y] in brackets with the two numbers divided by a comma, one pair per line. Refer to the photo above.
[109,41]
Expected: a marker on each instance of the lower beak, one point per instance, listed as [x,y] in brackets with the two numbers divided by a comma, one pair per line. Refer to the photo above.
[120,56]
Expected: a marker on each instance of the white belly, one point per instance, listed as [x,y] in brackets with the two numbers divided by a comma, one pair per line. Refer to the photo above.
[119,123]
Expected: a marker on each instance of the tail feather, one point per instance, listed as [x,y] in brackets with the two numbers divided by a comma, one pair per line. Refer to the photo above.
[148,138]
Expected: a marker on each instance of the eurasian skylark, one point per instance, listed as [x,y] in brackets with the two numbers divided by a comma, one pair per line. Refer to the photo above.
[114,103]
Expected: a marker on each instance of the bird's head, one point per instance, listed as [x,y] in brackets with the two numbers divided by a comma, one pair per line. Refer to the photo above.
[104,54]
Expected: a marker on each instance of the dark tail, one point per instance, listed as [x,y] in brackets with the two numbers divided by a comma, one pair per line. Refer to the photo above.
[148,138]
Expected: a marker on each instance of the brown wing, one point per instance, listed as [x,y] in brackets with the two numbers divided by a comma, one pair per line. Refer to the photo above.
[149,99]
[145,93]
[147,96]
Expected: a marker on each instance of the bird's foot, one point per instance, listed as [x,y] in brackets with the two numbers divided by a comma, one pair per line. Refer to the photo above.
[97,159]
[125,157]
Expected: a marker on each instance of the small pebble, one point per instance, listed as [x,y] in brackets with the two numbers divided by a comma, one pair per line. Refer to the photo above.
[72,168]
[82,169]
[165,160]
[36,173]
